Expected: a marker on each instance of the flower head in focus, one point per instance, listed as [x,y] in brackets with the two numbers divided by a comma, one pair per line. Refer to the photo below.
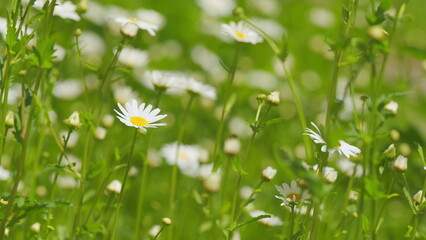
[242,32]
[291,194]
[140,116]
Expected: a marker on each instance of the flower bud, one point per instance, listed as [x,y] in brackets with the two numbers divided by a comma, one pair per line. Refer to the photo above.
[392,106]
[77,32]
[353,196]
[129,29]
[114,187]
[212,182]
[73,121]
[260,98]
[108,120]
[9,119]
[4,202]
[232,146]
[377,32]
[400,164]
[394,134]
[166,221]
[273,98]
[83,5]
[269,173]
[390,152]
[330,175]
[418,197]
[100,133]
[35,227]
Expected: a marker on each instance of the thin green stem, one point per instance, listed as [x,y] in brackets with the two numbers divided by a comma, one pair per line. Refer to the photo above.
[291,223]
[158,234]
[173,183]
[219,134]
[126,174]
[233,223]
[22,159]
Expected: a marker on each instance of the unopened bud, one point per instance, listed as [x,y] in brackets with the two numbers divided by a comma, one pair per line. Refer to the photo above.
[418,197]
[77,32]
[232,146]
[114,187]
[353,196]
[377,32]
[394,134]
[129,29]
[392,106]
[261,98]
[390,152]
[35,227]
[400,163]
[212,182]
[166,221]
[238,12]
[9,119]
[269,173]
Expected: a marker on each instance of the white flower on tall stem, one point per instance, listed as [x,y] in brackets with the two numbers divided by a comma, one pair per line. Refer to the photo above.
[140,116]
[350,168]
[291,194]
[187,158]
[149,27]
[342,147]
[133,57]
[242,32]
[198,88]
[162,80]
[271,221]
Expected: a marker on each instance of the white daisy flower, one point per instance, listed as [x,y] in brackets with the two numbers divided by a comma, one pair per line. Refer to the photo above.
[187,158]
[133,57]
[329,173]
[350,168]
[242,32]
[149,27]
[139,116]
[342,147]
[291,194]
[198,88]
[271,221]
[162,80]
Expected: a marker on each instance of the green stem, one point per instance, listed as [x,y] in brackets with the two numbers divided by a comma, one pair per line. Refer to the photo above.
[219,134]
[174,168]
[158,234]
[21,161]
[248,200]
[129,160]
[291,222]
[233,224]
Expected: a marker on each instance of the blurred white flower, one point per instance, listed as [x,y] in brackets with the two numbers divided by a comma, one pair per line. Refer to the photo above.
[232,146]
[59,53]
[68,89]
[123,94]
[270,27]
[350,168]
[114,186]
[92,47]
[133,58]
[108,120]
[217,8]
[100,133]
[418,197]
[4,174]
[154,230]
[242,32]
[144,25]
[35,227]
[140,116]
[271,221]
[245,192]
[187,157]
[269,173]
[3,27]
[66,182]
[72,140]
[392,106]
[353,196]
[163,80]
[322,17]
[269,81]
[209,61]
[151,16]
[65,10]
[291,194]
[193,86]
[212,182]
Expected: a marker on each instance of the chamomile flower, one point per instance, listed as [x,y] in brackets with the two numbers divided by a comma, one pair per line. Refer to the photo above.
[133,57]
[140,116]
[342,147]
[198,88]
[242,32]
[185,156]
[149,27]
[161,80]
[271,221]
[291,194]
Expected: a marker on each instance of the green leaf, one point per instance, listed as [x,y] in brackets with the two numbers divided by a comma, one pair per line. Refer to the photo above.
[345,14]
[273,121]
[236,165]
[410,201]
[365,225]
[253,220]
[421,153]
[231,102]
[96,169]
[197,197]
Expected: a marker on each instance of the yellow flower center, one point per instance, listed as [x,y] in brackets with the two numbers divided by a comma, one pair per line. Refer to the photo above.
[138,121]
[294,197]
[183,156]
[240,35]
[133,20]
